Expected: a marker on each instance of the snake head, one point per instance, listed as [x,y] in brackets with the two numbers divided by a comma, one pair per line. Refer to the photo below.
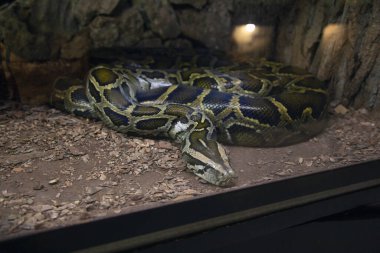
[212,170]
[204,155]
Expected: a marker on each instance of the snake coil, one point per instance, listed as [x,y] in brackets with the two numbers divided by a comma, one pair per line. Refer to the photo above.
[200,101]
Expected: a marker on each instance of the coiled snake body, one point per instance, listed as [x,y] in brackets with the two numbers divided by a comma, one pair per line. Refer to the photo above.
[200,101]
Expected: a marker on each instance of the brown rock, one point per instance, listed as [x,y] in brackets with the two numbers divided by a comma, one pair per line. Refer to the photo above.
[195,3]
[131,26]
[77,47]
[162,18]
[178,43]
[104,31]
[85,10]
[206,26]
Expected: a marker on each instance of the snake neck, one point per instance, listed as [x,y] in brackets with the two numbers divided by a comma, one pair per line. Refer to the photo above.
[204,155]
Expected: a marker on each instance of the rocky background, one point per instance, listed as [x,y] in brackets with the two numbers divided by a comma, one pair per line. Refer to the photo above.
[336,40]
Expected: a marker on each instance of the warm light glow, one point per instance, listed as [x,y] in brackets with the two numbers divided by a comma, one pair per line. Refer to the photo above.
[243,34]
[254,39]
[334,39]
[331,31]
[249,28]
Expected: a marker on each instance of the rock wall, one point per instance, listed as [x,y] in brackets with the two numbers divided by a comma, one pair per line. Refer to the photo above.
[336,40]
[67,29]
[339,41]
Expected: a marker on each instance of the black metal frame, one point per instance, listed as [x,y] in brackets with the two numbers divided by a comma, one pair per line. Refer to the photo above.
[217,222]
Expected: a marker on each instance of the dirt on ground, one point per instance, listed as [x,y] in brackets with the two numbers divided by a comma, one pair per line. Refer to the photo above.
[58,169]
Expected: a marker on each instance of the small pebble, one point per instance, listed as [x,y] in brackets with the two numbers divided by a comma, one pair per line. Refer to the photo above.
[102,177]
[341,109]
[54,181]
[38,186]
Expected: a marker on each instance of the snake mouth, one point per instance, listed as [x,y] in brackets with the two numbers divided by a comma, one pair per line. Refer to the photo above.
[222,176]
[228,181]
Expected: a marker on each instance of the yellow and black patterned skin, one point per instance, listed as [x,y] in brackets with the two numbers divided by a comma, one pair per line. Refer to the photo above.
[201,101]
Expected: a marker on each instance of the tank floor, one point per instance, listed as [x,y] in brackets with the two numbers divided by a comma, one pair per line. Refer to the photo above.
[57,169]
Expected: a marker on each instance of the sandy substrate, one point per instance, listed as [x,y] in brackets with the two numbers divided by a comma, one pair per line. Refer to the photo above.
[57,169]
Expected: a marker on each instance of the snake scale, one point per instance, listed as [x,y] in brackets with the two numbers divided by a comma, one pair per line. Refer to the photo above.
[199,100]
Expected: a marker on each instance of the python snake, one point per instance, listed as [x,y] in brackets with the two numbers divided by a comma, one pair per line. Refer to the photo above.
[200,101]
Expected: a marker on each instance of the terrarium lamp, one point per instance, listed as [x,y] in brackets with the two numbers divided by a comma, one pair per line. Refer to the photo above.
[243,34]
[249,28]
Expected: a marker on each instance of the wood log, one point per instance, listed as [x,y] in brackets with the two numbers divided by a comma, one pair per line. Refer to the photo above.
[32,81]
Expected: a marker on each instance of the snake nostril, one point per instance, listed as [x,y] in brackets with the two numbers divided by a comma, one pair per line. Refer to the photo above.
[230,181]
